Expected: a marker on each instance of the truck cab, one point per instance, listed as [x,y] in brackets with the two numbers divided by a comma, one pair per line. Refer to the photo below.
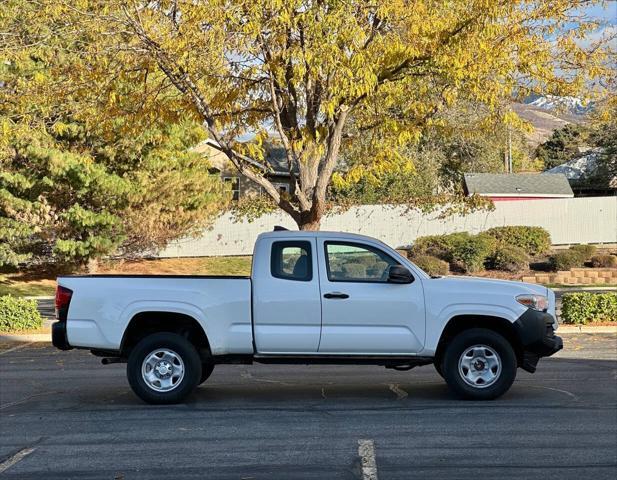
[335,294]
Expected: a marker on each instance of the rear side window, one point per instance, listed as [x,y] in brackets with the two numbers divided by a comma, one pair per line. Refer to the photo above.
[292,261]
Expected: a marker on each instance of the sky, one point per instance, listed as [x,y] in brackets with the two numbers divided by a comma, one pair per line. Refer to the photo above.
[607,15]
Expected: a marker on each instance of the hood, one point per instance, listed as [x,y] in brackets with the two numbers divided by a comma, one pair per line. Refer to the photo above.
[492,286]
[492,283]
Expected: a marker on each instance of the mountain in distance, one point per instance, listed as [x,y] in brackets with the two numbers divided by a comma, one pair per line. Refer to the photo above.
[572,105]
[549,113]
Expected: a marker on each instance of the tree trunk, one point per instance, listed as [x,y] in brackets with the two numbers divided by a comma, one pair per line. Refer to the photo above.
[310,226]
[310,220]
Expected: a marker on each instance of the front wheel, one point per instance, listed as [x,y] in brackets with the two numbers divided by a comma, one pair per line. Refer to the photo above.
[479,364]
[163,368]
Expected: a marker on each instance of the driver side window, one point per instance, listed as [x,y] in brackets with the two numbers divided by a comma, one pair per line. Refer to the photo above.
[352,262]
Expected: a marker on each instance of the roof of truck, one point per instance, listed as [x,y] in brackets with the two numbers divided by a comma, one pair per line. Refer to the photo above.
[320,233]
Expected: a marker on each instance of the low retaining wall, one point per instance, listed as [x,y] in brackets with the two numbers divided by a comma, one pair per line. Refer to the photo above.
[576,276]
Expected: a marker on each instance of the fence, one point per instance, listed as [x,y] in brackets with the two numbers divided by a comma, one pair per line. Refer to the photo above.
[569,221]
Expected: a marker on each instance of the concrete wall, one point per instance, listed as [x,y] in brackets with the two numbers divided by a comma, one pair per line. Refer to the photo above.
[569,220]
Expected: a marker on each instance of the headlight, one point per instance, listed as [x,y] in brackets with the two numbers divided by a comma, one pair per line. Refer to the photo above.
[537,302]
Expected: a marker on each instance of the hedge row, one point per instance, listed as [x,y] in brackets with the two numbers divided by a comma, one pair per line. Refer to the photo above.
[532,240]
[585,307]
[18,314]
[500,248]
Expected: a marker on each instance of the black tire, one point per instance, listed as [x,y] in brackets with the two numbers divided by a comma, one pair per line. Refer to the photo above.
[503,377]
[206,371]
[180,346]
[437,365]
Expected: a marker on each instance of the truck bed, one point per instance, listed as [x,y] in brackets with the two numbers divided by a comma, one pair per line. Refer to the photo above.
[102,306]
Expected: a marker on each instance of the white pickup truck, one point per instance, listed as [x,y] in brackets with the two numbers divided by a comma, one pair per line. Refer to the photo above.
[313,297]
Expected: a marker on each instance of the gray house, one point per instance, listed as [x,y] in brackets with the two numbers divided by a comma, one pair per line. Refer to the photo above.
[274,168]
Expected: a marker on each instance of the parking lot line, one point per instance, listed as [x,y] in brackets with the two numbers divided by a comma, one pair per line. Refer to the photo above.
[366,450]
[18,457]
[18,347]
[398,391]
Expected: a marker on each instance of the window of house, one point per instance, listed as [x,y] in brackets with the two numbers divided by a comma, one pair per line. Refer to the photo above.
[353,262]
[291,261]
[235,186]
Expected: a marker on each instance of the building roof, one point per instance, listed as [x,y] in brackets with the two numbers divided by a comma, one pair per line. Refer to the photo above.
[275,157]
[578,168]
[588,172]
[518,185]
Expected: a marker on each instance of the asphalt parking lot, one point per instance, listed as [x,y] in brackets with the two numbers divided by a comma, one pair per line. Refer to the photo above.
[64,415]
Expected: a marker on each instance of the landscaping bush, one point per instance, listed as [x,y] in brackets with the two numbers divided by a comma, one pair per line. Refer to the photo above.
[584,251]
[431,265]
[439,246]
[354,270]
[18,314]
[533,240]
[566,260]
[585,307]
[509,258]
[471,253]
[604,261]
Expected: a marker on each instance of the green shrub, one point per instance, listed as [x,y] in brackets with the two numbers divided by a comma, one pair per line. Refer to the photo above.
[585,252]
[533,240]
[18,314]
[509,258]
[565,260]
[431,265]
[471,253]
[585,307]
[367,260]
[354,270]
[604,261]
[377,269]
[439,246]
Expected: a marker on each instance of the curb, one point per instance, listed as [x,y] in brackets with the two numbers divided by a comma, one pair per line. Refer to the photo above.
[583,289]
[585,329]
[30,338]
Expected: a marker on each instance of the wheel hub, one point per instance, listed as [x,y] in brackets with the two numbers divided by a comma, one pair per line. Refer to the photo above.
[163,369]
[479,366]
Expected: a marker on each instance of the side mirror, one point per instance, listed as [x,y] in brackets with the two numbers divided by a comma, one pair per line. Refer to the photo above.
[399,274]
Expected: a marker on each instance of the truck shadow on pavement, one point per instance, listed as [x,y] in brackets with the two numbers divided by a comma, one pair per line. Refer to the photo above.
[560,382]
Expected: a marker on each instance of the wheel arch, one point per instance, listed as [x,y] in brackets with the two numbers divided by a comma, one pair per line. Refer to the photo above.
[460,323]
[148,322]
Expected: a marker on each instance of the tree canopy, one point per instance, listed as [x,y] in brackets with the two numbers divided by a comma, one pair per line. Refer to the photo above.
[72,189]
[315,72]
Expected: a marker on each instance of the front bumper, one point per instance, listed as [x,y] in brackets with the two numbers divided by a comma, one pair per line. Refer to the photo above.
[535,331]
[58,335]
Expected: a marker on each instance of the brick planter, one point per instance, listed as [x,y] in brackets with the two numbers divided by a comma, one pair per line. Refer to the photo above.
[575,276]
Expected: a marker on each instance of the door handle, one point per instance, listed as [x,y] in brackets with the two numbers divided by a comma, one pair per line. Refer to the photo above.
[336,295]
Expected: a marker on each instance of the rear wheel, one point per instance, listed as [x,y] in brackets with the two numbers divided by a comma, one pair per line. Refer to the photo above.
[163,368]
[479,364]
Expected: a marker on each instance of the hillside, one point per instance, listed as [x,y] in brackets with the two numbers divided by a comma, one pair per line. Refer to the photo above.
[544,121]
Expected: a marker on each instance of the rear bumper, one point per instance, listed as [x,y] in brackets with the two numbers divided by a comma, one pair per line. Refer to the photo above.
[58,336]
[535,331]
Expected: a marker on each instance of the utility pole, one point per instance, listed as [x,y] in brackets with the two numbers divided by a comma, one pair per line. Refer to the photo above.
[509,149]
